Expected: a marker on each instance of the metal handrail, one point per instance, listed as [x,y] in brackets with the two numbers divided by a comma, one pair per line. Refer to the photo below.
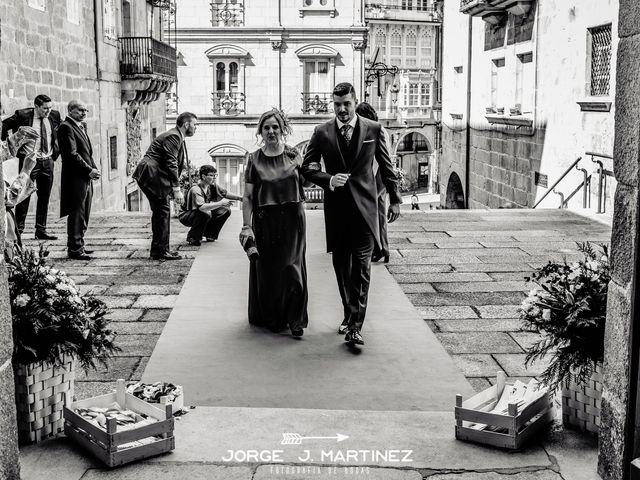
[587,182]
[557,181]
[601,177]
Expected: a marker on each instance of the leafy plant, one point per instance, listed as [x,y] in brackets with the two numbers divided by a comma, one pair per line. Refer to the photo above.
[50,316]
[569,310]
[184,180]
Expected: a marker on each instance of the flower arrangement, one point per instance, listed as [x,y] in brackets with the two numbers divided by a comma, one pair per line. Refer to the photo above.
[569,309]
[50,316]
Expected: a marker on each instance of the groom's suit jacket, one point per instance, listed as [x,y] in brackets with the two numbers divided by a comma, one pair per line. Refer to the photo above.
[368,144]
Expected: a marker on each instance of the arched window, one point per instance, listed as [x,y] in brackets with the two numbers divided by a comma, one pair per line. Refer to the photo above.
[396,48]
[381,43]
[233,77]
[411,51]
[220,80]
[426,49]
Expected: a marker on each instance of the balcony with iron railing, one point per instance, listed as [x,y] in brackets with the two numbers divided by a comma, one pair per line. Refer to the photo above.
[317,103]
[228,103]
[403,12]
[148,67]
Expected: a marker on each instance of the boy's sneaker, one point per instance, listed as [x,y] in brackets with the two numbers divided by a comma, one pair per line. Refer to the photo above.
[194,242]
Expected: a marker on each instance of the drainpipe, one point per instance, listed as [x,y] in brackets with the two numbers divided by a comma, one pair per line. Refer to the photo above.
[97,7]
[467,153]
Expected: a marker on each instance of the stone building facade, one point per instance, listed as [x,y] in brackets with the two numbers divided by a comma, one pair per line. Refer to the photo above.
[405,35]
[242,58]
[78,49]
[528,87]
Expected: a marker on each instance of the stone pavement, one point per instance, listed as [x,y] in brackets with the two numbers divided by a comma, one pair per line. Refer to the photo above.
[462,270]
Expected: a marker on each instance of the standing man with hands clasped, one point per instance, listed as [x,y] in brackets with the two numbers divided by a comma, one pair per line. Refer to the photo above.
[349,144]
[78,171]
[44,120]
[158,175]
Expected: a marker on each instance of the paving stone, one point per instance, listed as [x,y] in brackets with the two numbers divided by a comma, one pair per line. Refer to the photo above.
[477,365]
[480,325]
[545,474]
[137,242]
[416,288]
[162,471]
[492,267]
[81,279]
[145,254]
[139,371]
[138,328]
[482,287]
[124,314]
[513,365]
[129,263]
[526,339]
[136,345]
[438,313]
[84,389]
[117,367]
[441,277]
[499,311]
[136,279]
[396,227]
[156,315]
[102,271]
[116,301]
[155,301]
[142,289]
[456,243]
[88,289]
[479,384]
[478,342]
[414,269]
[509,276]
[414,257]
[166,268]
[474,298]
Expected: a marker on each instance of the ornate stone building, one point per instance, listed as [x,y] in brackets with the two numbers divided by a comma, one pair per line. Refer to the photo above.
[109,54]
[402,82]
[528,88]
[242,58]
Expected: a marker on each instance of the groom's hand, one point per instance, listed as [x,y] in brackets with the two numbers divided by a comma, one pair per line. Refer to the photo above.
[338,180]
[394,212]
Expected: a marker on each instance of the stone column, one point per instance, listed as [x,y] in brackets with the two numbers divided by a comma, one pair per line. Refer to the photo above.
[615,399]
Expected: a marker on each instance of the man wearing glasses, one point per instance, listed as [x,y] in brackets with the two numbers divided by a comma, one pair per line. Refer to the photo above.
[207,207]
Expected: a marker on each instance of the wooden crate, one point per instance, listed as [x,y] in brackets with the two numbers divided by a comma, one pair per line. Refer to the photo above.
[42,391]
[521,425]
[110,445]
[581,403]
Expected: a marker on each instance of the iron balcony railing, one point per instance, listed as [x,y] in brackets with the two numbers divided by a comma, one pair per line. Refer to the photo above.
[317,102]
[227,13]
[146,55]
[228,103]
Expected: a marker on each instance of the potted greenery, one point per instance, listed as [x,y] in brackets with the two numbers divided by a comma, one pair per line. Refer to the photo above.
[568,308]
[54,326]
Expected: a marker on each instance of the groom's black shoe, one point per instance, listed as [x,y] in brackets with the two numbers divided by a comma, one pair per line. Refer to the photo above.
[353,337]
[344,326]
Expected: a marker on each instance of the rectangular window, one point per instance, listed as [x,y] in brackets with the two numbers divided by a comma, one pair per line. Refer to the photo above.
[600,61]
[424,95]
[413,95]
[113,152]
[316,76]
[109,16]
[73,11]
[525,76]
[411,51]
[396,49]
[38,4]
[497,72]
[426,51]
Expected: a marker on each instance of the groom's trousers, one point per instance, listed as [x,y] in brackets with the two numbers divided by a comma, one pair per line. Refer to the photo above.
[352,264]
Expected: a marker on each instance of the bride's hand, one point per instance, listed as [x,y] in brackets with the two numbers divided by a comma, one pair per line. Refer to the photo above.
[245,234]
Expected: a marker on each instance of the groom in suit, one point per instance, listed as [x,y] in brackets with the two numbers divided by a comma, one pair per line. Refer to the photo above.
[44,120]
[349,144]
[78,172]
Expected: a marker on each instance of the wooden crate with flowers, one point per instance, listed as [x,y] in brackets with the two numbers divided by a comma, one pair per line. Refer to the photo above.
[568,310]
[119,428]
[162,393]
[55,328]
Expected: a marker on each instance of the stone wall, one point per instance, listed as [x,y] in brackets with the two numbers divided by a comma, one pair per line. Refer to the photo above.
[615,397]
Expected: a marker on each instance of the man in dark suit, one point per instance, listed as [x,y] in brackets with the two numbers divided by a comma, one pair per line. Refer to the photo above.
[158,175]
[349,144]
[78,171]
[45,121]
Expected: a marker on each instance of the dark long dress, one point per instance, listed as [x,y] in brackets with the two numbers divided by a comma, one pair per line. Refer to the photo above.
[278,294]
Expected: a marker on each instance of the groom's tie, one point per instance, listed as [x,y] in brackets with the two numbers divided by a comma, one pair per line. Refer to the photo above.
[346,133]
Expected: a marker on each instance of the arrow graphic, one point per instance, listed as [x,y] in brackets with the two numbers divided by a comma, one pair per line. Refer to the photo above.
[296,438]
